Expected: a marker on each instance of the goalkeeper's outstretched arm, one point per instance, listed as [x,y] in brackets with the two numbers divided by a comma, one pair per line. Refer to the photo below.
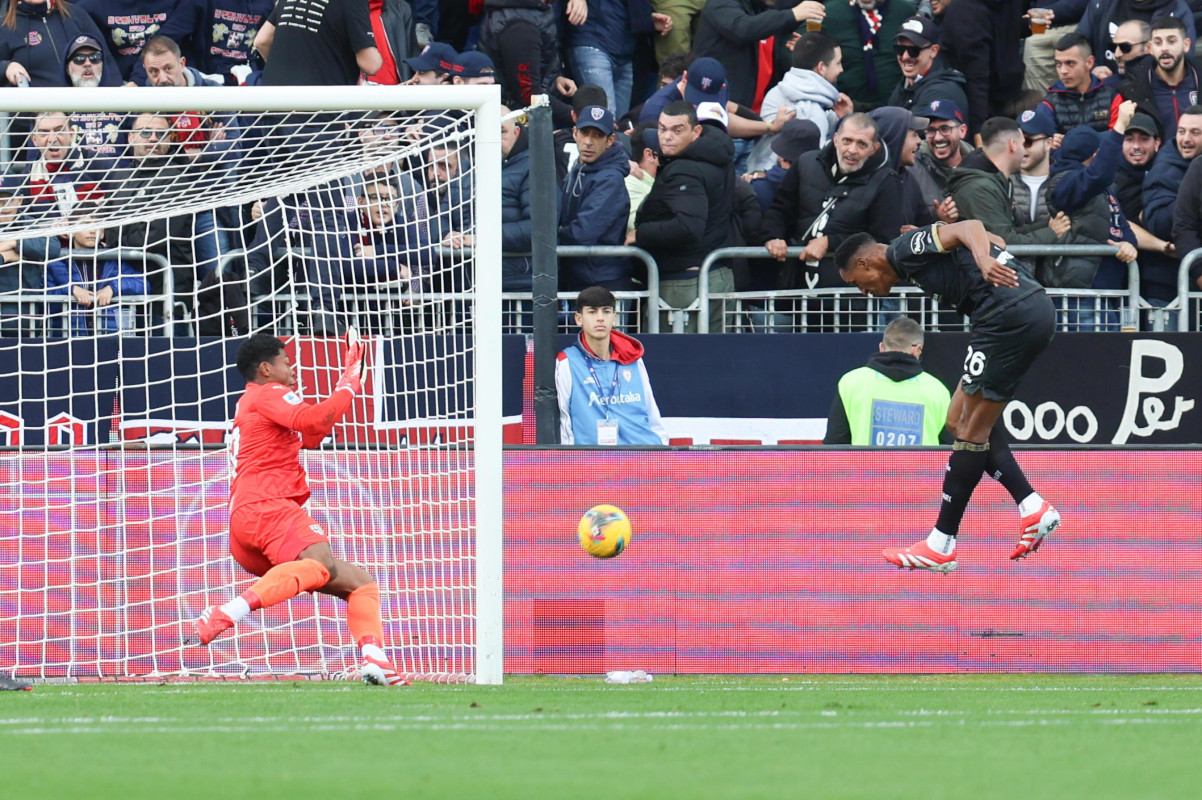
[316,421]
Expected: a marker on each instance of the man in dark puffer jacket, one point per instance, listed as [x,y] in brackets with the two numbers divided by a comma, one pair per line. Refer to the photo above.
[688,211]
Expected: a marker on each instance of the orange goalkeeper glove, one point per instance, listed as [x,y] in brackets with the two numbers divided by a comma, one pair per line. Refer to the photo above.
[352,364]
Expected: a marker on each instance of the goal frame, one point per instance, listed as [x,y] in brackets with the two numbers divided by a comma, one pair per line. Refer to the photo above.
[485,102]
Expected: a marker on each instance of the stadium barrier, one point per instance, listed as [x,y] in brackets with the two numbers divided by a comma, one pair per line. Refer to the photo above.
[382,312]
[776,311]
[32,320]
[846,309]
[1185,293]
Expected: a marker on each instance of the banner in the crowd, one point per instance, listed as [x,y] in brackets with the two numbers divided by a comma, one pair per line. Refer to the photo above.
[1085,389]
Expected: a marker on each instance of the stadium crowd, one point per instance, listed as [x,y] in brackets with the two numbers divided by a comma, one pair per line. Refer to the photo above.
[683,126]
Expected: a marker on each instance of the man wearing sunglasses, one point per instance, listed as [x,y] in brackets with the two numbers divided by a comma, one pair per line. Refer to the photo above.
[982,190]
[1130,42]
[97,133]
[1165,82]
[923,78]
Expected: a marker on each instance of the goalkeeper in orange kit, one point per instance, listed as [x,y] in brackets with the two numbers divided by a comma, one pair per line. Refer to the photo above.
[271,535]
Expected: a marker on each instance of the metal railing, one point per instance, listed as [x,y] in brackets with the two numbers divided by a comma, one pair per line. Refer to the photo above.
[1184,293]
[846,309]
[28,302]
[383,311]
[389,308]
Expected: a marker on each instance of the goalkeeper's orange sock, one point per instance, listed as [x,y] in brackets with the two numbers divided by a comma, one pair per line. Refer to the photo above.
[363,619]
[282,582]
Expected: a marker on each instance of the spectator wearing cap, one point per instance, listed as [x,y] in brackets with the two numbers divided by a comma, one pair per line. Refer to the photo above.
[688,212]
[594,205]
[705,82]
[808,89]
[1083,168]
[799,136]
[981,185]
[1140,146]
[522,39]
[98,133]
[601,48]
[1078,97]
[942,152]
[924,77]
[982,39]
[1157,256]
[731,32]
[84,63]
[432,65]
[27,56]
[473,68]
[847,187]
[516,271]
[865,29]
[644,166]
[900,132]
[1030,182]
[564,138]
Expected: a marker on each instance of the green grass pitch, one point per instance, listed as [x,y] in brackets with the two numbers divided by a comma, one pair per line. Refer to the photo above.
[967,737]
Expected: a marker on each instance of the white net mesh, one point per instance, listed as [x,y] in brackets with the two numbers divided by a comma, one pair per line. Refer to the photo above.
[132,240]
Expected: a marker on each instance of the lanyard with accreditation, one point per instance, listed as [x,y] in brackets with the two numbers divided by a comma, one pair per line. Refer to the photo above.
[607,429]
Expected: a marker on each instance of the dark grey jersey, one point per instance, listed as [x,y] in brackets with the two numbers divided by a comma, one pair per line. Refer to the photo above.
[953,277]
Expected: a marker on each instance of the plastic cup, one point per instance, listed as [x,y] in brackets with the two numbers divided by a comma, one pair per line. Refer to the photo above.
[813,25]
[1039,25]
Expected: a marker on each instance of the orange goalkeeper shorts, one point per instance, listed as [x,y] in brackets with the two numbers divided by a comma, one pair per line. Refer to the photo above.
[271,532]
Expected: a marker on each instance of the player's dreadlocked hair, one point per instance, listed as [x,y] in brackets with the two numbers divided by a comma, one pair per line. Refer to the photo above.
[254,351]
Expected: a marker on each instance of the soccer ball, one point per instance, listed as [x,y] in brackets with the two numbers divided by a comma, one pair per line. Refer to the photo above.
[604,531]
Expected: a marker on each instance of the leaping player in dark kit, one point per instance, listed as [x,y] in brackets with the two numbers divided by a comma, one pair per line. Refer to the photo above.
[1013,321]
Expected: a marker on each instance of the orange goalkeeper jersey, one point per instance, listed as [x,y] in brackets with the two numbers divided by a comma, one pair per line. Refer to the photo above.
[271,425]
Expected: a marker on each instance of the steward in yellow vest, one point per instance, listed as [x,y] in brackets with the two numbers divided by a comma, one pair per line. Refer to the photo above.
[890,402]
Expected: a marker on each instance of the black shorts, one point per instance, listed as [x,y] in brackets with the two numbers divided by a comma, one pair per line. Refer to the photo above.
[1002,348]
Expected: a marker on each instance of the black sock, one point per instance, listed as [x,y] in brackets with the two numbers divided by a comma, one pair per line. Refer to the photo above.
[1002,467]
[965,468]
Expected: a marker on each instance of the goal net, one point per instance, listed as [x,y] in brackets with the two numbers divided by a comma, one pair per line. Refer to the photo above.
[144,234]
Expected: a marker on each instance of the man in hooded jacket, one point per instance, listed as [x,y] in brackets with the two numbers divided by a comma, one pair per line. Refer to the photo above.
[594,205]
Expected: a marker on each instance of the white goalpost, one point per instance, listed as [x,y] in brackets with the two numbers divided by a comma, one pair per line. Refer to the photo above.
[145,233]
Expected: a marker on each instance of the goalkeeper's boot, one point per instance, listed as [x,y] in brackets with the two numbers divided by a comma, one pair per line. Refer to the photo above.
[1033,529]
[13,685]
[212,623]
[379,672]
[920,556]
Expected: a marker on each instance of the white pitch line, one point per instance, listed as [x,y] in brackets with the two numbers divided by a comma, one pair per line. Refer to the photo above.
[612,720]
[554,727]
